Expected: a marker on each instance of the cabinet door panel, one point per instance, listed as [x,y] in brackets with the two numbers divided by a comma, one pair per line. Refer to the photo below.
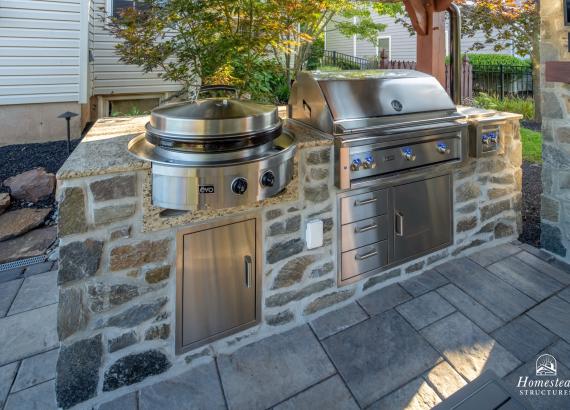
[422,216]
[218,280]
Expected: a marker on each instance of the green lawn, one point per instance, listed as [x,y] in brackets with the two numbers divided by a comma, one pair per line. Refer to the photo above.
[532,145]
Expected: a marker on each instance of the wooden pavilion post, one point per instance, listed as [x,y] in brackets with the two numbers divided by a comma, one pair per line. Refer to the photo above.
[428,19]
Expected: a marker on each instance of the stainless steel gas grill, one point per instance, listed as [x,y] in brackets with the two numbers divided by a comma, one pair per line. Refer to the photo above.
[215,153]
[397,134]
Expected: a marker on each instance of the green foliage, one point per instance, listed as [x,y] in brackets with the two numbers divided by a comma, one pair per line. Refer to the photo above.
[523,106]
[317,53]
[532,145]
[477,59]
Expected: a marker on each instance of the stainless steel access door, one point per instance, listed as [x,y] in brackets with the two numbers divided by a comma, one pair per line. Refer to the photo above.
[422,217]
[218,283]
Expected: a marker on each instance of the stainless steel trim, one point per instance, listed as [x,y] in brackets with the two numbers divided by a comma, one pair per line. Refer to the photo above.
[370,254]
[365,202]
[366,228]
[365,232]
[363,206]
[399,226]
[248,270]
[455,54]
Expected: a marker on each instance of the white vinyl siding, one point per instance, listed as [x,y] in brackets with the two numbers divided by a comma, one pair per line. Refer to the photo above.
[110,76]
[403,45]
[40,51]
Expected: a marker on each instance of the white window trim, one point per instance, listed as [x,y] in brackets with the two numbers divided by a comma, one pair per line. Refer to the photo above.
[389,46]
[109,8]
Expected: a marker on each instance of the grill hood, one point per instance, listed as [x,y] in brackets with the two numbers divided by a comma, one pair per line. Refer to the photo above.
[353,101]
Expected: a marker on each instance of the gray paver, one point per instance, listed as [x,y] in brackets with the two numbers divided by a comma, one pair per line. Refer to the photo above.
[539,253]
[523,337]
[384,299]
[478,313]
[338,320]
[126,402]
[28,333]
[544,267]
[36,291]
[265,373]
[425,282]
[554,314]
[379,355]
[416,395]
[499,297]
[468,348]
[536,401]
[565,294]
[525,278]
[35,370]
[494,254]
[11,274]
[445,379]
[198,388]
[7,374]
[8,291]
[39,397]
[329,394]
[425,310]
[38,268]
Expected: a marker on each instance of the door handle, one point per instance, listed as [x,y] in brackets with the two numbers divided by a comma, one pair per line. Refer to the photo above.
[248,270]
[365,228]
[366,255]
[399,226]
[365,201]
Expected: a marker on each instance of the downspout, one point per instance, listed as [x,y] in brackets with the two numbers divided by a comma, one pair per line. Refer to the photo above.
[455,52]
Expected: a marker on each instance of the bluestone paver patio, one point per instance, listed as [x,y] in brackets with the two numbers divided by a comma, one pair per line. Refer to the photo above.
[408,345]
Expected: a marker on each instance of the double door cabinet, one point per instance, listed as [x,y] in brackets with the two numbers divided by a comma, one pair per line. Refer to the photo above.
[385,227]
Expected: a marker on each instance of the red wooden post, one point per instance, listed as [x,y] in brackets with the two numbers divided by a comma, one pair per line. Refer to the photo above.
[383,58]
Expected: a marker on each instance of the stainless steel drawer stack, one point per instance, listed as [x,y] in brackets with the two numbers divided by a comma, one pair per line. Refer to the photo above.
[364,233]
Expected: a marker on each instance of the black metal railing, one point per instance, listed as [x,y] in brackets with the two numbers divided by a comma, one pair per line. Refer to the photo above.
[345,61]
[503,81]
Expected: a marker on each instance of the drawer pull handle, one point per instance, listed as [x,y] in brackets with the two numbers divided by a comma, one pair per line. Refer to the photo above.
[248,271]
[365,228]
[365,256]
[365,201]
[399,224]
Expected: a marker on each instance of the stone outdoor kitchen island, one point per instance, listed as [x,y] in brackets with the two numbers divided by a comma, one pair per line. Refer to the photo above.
[117,270]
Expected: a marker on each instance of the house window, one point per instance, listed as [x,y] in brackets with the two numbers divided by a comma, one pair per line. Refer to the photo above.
[120,5]
[384,43]
[567,12]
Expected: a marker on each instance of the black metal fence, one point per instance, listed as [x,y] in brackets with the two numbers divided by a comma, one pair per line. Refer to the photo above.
[346,61]
[503,81]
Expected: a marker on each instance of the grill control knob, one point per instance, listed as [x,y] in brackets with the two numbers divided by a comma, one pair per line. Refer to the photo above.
[408,154]
[443,148]
[239,186]
[356,164]
[268,179]
[369,163]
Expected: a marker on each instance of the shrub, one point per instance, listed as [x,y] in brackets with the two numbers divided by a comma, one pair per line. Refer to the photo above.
[524,106]
[317,53]
[477,59]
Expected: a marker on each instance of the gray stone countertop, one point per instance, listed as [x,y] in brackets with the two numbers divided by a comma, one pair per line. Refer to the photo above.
[104,149]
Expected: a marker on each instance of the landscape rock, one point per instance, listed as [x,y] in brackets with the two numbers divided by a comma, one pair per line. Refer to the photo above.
[133,256]
[134,368]
[280,318]
[466,224]
[77,373]
[291,225]
[156,275]
[110,214]
[489,211]
[137,314]
[72,217]
[292,272]
[373,281]
[325,301]
[317,194]
[16,223]
[34,243]
[283,250]
[31,185]
[158,332]
[283,298]
[322,270]
[71,314]
[4,202]
[79,260]
[104,296]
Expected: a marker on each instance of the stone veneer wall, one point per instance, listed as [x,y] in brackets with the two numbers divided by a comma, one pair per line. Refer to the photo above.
[117,282]
[555,211]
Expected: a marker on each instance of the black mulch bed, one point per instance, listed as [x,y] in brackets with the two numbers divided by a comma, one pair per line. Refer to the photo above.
[15,159]
[531,125]
[531,191]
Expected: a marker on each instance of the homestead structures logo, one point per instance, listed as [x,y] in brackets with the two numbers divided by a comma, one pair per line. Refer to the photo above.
[547,382]
[546,365]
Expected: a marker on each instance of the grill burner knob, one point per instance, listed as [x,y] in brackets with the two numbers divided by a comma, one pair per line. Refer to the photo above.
[408,154]
[239,186]
[442,148]
[369,163]
[268,179]
[356,164]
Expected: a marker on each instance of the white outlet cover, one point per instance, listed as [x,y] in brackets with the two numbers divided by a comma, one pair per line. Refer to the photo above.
[314,234]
